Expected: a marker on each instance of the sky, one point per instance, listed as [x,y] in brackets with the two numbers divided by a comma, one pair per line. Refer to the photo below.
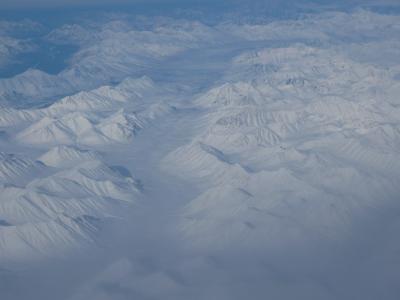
[21,4]
[52,4]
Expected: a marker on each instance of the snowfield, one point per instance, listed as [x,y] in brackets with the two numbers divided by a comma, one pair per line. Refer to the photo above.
[175,159]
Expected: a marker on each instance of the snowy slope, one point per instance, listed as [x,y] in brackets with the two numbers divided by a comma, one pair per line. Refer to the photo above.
[62,155]
[60,211]
[111,53]
[171,159]
[291,129]
[60,201]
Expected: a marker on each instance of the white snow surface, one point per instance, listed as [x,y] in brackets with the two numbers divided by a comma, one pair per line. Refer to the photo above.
[193,161]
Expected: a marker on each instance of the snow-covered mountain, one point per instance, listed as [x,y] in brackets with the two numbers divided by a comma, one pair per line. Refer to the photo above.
[58,200]
[176,159]
[299,125]
[107,54]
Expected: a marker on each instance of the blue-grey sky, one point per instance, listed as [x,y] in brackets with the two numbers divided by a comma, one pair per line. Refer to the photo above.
[28,4]
[60,3]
